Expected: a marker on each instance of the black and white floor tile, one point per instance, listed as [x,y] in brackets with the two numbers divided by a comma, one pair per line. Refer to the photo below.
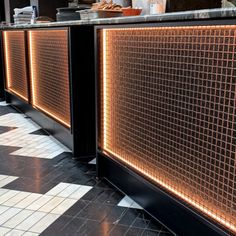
[45,191]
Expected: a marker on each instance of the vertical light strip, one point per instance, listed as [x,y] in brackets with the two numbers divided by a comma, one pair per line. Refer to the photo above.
[32,80]
[6,54]
[104,88]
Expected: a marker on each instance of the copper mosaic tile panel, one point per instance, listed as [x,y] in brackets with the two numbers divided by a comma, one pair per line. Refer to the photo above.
[15,63]
[50,73]
[168,108]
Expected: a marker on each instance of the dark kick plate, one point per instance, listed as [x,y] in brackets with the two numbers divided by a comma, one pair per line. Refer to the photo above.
[172,213]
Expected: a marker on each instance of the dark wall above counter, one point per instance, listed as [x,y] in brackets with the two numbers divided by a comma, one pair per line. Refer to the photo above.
[185,5]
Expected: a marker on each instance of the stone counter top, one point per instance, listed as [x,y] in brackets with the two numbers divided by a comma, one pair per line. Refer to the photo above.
[176,16]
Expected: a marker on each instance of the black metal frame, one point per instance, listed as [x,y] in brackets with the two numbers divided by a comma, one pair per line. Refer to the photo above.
[80,138]
[176,214]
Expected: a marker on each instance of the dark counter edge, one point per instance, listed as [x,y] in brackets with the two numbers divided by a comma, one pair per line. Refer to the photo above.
[227,13]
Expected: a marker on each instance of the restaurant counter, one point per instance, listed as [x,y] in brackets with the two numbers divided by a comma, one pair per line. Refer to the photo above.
[162,91]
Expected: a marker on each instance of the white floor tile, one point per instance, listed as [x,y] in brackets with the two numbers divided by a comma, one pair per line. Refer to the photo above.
[57,189]
[3,209]
[64,206]
[39,202]
[51,204]
[3,177]
[128,202]
[44,223]
[30,234]
[136,206]
[8,214]
[6,196]
[30,221]
[15,232]
[94,161]
[125,202]
[30,145]
[4,230]
[28,200]
[2,191]
[18,218]
[69,190]
[80,192]
[16,199]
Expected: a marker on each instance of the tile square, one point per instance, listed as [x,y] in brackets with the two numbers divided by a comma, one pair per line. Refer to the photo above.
[28,200]
[45,222]
[72,188]
[50,205]
[15,232]
[39,202]
[30,221]
[64,206]
[80,192]
[8,214]
[18,218]
[4,230]
[57,189]
[7,195]
[16,199]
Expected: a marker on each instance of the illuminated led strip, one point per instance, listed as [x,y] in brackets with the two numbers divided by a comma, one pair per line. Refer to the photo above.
[7,66]
[31,67]
[104,88]
[105,110]
[6,47]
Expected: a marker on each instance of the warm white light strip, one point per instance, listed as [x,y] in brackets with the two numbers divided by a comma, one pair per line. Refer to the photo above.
[31,66]
[104,38]
[6,48]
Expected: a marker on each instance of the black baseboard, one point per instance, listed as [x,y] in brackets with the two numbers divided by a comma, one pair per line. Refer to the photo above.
[52,127]
[177,216]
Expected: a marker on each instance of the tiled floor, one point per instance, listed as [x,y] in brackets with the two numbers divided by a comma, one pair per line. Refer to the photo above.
[43,190]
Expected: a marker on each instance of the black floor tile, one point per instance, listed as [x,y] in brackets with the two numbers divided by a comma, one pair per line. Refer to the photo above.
[6,110]
[40,132]
[94,211]
[77,208]
[59,226]
[101,229]
[115,214]
[118,230]
[134,232]
[130,217]
[4,129]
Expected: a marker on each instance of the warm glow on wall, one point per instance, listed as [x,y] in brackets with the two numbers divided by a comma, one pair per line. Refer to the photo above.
[49,64]
[168,108]
[15,63]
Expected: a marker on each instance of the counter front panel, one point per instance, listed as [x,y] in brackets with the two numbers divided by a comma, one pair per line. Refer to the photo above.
[15,63]
[49,65]
[167,105]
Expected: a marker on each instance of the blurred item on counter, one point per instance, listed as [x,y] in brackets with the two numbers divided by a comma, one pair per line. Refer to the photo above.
[44,19]
[24,15]
[104,5]
[128,11]
[228,3]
